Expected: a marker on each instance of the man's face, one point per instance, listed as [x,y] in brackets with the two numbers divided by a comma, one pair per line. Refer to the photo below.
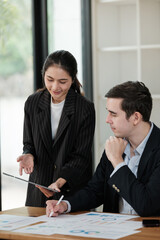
[116,117]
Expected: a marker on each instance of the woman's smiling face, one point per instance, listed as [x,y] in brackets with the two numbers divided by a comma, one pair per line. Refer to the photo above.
[57,82]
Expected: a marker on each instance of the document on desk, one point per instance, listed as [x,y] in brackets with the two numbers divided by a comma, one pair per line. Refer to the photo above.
[10,222]
[92,224]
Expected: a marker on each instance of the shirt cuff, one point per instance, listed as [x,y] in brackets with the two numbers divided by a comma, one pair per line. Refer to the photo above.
[118,167]
[68,205]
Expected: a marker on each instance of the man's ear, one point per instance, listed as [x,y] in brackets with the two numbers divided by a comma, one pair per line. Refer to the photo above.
[137,118]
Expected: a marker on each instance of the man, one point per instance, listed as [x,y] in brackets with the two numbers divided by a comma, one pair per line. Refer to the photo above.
[127,179]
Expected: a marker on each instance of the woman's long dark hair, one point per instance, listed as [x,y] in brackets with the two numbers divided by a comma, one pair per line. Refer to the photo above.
[67,62]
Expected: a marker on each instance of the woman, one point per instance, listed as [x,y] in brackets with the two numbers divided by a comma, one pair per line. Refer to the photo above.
[58,132]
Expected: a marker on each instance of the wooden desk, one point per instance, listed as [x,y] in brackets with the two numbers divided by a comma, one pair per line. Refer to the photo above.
[145,234]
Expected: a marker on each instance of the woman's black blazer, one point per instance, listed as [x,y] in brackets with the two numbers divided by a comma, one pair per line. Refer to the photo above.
[69,155]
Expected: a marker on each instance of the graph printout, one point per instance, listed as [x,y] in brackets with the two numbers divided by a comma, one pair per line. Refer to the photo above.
[92,224]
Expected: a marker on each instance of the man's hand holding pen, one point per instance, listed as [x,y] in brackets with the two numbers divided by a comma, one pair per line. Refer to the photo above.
[54,207]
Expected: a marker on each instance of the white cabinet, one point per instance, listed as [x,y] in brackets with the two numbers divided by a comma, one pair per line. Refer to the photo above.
[126,46]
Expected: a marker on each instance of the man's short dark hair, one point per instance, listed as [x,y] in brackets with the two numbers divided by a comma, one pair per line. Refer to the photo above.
[136,98]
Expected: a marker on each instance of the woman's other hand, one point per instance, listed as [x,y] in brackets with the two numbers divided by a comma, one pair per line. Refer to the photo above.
[45,191]
[55,186]
[58,184]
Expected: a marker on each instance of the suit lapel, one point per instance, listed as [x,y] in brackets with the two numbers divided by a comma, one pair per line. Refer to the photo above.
[68,111]
[43,120]
[152,144]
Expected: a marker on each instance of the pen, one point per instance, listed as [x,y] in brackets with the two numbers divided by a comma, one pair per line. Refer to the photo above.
[60,200]
[51,213]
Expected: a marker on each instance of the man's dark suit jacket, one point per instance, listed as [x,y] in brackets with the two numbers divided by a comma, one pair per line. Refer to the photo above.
[69,155]
[142,193]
